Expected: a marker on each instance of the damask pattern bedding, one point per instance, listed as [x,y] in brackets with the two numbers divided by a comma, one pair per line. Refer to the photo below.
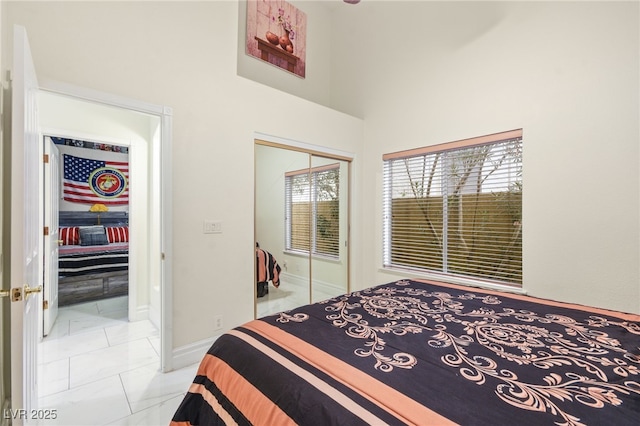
[417,352]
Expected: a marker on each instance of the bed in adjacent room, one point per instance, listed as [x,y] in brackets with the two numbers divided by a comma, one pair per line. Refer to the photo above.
[418,352]
[93,261]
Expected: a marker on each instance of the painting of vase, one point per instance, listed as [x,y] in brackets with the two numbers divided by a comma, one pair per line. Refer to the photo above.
[277,34]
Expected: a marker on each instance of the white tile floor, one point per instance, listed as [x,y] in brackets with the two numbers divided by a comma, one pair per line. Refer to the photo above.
[289,296]
[281,299]
[96,368]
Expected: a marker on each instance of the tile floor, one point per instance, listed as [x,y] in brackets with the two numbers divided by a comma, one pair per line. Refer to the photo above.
[281,299]
[96,368]
[289,296]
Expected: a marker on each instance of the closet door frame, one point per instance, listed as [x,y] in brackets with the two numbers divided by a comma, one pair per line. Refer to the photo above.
[312,151]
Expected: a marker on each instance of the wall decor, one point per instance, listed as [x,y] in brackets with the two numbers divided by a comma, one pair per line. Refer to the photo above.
[277,33]
[90,145]
[91,181]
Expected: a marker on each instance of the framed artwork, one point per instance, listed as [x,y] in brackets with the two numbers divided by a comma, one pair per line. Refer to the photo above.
[277,33]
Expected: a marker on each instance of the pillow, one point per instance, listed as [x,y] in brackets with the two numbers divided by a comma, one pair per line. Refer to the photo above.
[93,236]
[70,236]
[118,234]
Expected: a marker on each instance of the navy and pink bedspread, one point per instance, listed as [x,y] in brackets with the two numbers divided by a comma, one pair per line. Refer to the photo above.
[76,260]
[412,352]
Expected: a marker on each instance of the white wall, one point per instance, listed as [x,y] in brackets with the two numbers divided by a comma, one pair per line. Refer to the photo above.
[184,55]
[565,72]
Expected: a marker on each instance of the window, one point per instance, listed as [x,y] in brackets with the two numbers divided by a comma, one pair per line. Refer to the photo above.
[456,209]
[313,210]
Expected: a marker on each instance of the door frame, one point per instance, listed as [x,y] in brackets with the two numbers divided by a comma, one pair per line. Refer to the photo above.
[265,139]
[50,239]
[163,149]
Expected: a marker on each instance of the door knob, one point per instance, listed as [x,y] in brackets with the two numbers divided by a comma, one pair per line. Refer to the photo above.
[60,242]
[28,290]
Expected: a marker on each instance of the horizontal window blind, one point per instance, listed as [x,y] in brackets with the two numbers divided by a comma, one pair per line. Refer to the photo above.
[457,209]
[313,210]
[298,202]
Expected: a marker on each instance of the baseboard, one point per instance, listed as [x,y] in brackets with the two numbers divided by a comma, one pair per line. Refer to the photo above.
[154,316]
[326,290]
[294,280]
[323,289]
[141,313]
[192,353]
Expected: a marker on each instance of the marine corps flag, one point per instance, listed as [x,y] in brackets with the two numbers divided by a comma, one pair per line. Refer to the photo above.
[95,181]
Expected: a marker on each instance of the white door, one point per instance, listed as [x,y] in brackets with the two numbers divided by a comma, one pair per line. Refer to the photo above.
[52,237]
[25,222]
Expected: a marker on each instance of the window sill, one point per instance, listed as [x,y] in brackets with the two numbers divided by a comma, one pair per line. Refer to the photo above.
[302,254]
[453,280]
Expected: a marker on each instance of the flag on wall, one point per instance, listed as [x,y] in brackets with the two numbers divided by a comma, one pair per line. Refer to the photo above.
[95,181]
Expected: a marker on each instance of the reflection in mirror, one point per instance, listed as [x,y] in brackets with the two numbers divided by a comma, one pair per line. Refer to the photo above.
[301,223]
[328,241]
[271,164]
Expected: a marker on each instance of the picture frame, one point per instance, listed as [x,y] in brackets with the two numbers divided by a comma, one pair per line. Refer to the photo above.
[277,34]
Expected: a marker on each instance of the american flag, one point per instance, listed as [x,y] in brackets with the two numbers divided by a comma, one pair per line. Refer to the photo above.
[77,172]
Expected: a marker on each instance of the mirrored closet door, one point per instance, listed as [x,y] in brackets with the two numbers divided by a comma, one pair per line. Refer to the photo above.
[301,227]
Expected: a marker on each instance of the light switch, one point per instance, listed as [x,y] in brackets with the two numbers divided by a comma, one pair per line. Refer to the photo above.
[212,227]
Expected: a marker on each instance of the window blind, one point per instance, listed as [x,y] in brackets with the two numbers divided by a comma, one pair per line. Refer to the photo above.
[313,210]
[456,209]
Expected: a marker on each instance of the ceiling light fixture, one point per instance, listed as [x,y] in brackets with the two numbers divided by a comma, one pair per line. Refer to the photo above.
[352,1]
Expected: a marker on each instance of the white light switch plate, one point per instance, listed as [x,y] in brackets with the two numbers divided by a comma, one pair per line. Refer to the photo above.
[212,227]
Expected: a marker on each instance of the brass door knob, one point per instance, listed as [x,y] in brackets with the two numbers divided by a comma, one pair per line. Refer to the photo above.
[28,290]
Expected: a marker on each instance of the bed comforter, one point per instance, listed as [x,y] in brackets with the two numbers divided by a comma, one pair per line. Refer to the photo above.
[75,260]
[412,352]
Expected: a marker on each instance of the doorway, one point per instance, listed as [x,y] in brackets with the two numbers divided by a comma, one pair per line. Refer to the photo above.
[78,113]
[86,189]
[23,157]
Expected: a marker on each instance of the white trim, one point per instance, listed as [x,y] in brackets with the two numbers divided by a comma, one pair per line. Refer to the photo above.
[91,95]
[153,316]
[166,238]
[88,137]
[192,353]
[328,287]
[142,313]
[164,113]
[303,145]
[295,280]
[403,273]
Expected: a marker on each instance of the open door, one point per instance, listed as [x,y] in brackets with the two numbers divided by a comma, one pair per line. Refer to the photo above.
[52,233]
[25,250]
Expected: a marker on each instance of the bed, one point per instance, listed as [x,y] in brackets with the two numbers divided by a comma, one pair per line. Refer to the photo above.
[419,352]
[97,266]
